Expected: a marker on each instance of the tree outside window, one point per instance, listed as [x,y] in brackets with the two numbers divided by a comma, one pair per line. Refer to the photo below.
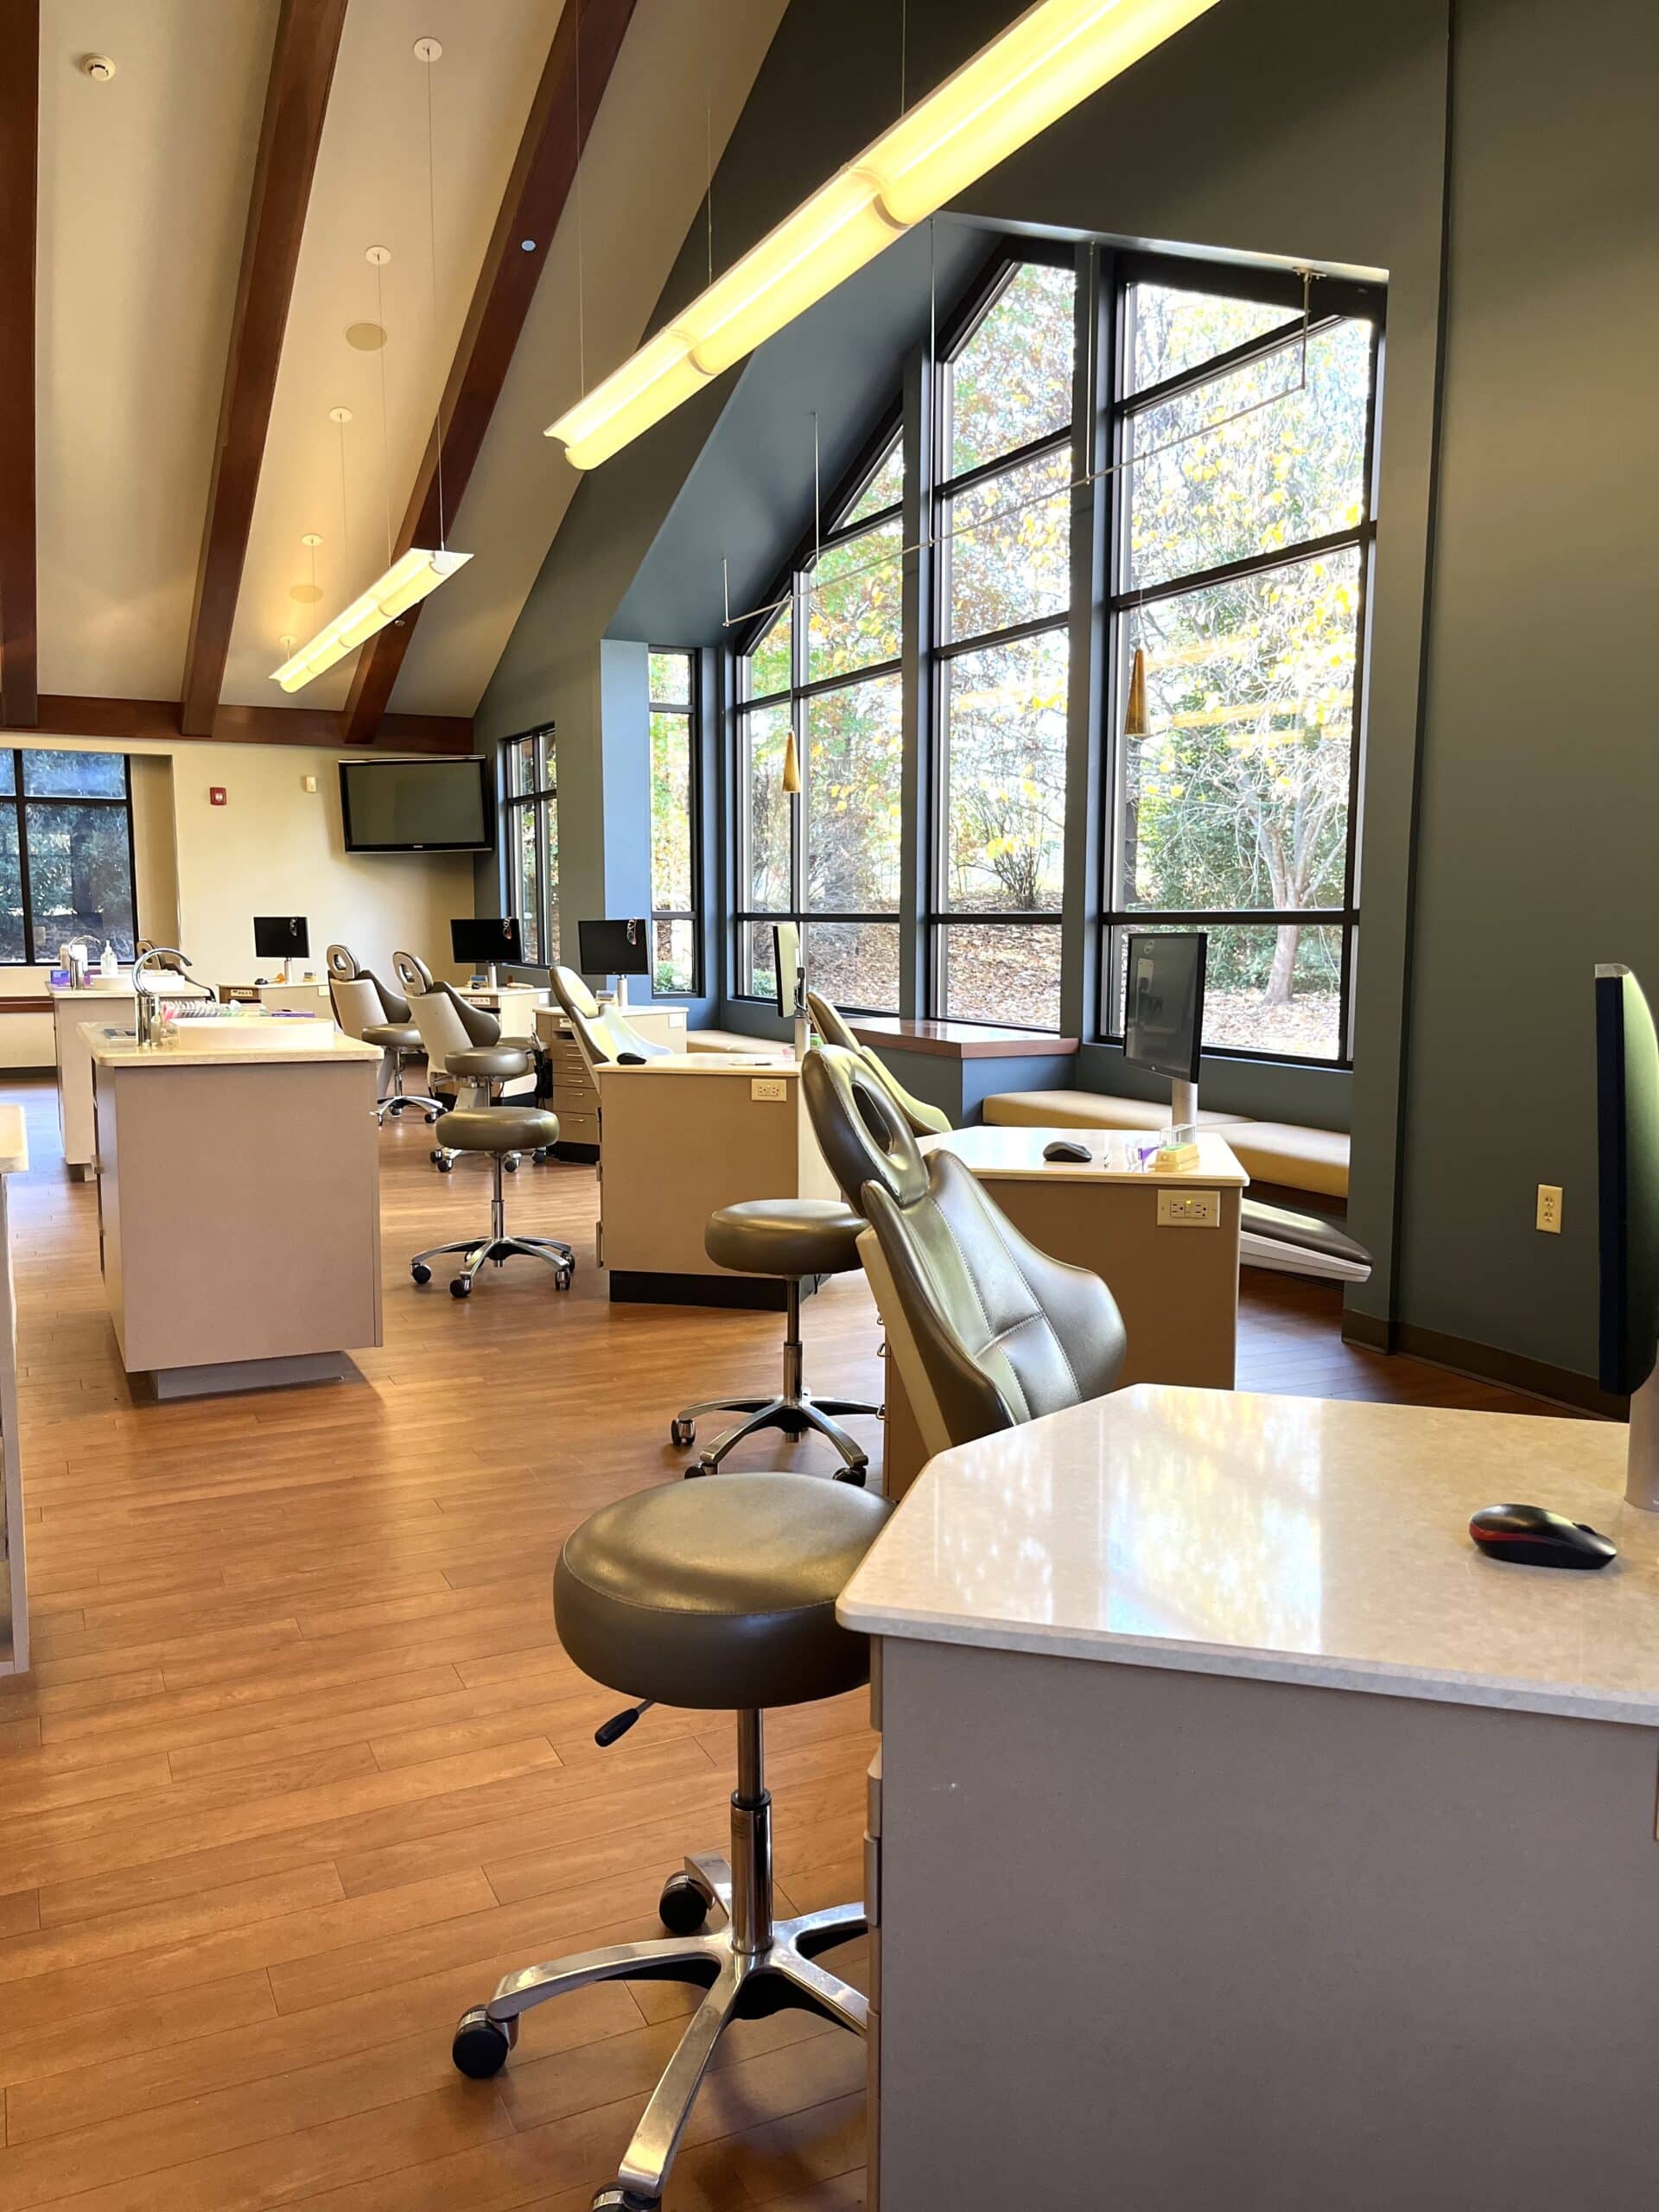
[529,851]
[66,852]
[673,824]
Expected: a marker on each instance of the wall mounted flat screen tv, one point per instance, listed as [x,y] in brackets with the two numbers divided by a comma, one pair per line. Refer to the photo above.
[417,806]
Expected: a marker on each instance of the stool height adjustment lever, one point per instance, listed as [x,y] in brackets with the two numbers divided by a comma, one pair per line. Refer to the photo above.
[619,1723]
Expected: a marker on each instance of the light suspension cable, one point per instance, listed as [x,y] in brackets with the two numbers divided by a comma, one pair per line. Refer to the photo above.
[1051,58]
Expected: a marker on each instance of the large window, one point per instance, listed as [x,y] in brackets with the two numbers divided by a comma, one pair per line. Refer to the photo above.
[826,668]
[1244,527]
[66,852]
[1003,570]
[529,851]
[675,963]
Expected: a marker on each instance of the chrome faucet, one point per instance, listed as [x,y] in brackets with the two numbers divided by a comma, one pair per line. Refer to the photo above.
[152,954]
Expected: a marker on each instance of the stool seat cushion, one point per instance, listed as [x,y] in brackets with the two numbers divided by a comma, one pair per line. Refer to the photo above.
[785,1236]
[393,1036]
[496,1129]
[484,1060]
[720,1593]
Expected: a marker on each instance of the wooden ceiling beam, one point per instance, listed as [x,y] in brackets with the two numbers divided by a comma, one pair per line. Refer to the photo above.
[561,117]
[296,100]
[156,721]
[20,134]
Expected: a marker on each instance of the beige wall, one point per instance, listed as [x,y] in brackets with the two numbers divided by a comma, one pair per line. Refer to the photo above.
[204,871]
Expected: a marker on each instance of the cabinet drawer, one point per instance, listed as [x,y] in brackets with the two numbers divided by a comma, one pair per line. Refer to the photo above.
[577,1129]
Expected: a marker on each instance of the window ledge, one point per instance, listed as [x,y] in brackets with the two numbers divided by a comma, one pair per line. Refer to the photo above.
[961,1040]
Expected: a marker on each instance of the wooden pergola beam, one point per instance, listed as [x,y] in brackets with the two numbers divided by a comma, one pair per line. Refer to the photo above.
[296,100]
[560,118]
[20,129]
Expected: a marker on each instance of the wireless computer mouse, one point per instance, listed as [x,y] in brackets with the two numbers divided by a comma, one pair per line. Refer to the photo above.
[1531,1535]
[1064,1148]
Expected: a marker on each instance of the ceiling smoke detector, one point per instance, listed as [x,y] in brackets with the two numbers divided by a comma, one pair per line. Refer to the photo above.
[99,66]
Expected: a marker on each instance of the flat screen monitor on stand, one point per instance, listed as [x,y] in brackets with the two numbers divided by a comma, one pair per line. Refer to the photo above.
[1627,1113]
[1163,1012]
[280,937]
[790,980]
[617,949]
[485,943]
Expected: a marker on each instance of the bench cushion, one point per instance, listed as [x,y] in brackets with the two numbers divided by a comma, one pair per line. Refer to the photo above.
[1297,1158]
[1084,1109]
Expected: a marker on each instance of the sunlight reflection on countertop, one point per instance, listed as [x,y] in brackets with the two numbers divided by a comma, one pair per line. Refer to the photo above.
[1299,1540]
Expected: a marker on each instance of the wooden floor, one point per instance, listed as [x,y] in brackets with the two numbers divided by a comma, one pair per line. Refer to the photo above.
[301,1769]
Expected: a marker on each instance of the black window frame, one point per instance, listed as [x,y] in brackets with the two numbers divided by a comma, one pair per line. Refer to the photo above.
[1326,301]
[801,690]
[691,710]
[544,797]
[20,800]
[941,648]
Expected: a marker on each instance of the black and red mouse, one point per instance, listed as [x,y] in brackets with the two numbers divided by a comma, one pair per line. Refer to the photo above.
[1531,1535]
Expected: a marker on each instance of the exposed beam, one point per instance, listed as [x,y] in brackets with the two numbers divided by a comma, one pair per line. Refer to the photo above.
[296,100]
[124,721]
[20,132]
[543,174]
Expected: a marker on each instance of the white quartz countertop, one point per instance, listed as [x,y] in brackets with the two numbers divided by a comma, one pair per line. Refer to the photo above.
[706,1063]
[1293,1539]
[117,986]
[14,1141]
[1012,1154]
[244,1042]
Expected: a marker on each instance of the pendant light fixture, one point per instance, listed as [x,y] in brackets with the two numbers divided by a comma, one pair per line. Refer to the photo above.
[1051,58]
[1134,714]
[790,780]
[414,575]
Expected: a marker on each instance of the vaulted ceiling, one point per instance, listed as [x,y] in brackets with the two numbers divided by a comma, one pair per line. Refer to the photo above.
[203,218]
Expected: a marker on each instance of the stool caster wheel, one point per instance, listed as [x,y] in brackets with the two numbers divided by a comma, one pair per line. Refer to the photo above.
[616,2199]
[682,1432]
[510,1163]
[697,1470]
[561,1280]
[684,1906]
[481,2044]
[460,1287]
[431,1119]
[857,1476]
[420,1271]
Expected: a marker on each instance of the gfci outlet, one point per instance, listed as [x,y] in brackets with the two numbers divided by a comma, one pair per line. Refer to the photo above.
[1549,1209]
[770,1089]
[1189,1209]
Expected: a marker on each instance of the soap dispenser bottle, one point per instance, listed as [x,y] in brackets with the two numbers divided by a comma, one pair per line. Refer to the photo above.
[107,964]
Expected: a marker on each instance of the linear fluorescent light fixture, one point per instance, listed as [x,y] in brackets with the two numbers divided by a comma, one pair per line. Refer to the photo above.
[408,578]
[1055,56]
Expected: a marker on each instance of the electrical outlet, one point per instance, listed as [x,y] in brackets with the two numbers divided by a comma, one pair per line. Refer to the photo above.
[770,1089]
[1549,1209]
[1189,1209]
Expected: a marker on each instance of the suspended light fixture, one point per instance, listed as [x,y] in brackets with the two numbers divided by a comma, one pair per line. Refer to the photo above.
[1134,714]
[1055,56]
[409,578]
[405,581]
[790,780]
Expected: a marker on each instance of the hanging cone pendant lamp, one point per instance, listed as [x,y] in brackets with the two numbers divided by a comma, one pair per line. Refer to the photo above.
[791,766]
[1134,714]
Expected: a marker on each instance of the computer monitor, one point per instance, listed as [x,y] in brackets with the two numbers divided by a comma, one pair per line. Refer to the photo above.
[1627,1117]
[280,937]
[1163,1010]
[790,977]
[482,941]
[619,949]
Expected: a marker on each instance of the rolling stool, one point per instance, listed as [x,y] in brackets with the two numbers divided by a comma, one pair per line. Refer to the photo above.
[718,1597]
[497,1131]
[793,1238]
[484,1069]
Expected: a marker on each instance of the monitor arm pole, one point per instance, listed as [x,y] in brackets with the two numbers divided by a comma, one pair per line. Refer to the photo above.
[1183,1103]
[1641,1465]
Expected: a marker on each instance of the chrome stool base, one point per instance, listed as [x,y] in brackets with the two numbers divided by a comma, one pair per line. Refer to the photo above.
[794,1410]
[752,1966]
[496,1245]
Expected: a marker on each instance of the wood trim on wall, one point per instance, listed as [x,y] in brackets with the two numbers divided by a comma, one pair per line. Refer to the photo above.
[561,116]
[1486,1363]
[296,101]
[157,720]
[20,79]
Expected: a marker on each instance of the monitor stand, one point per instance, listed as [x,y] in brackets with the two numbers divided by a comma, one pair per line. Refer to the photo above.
[490,974]
[803,1035]
[1642,1464]
[621,998]
[1183,1103]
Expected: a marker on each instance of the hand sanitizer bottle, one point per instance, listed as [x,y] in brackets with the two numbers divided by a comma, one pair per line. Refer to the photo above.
[107,962]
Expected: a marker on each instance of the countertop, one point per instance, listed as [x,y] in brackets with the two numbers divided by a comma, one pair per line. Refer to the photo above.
[13,1143]
[117,986]
[1291,1540]
[244,1042]
[708,1063]
[994,1152]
